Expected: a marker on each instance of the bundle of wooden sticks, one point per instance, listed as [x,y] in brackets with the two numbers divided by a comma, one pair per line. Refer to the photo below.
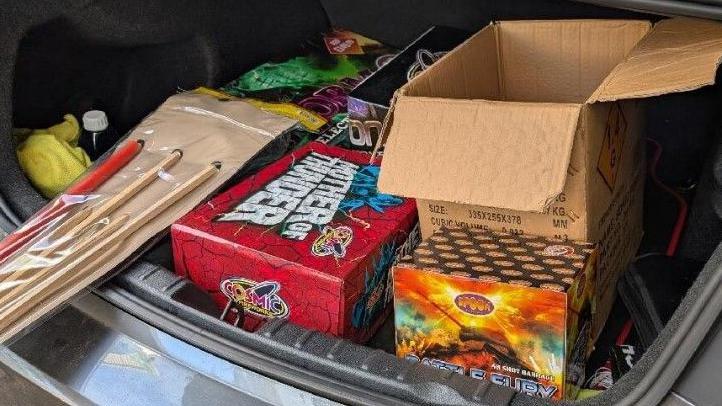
[50,255]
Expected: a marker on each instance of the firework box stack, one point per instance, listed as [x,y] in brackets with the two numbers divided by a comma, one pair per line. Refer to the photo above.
[513,309]
[535,127]
[369,102]
[313,86]
[307,238]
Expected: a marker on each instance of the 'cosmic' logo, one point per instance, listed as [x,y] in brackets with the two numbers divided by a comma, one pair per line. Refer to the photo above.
[473,303]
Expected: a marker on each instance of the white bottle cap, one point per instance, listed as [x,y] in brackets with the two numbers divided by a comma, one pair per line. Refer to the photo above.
[95,120]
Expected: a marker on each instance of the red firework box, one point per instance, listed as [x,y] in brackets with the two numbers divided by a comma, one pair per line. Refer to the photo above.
[307,238]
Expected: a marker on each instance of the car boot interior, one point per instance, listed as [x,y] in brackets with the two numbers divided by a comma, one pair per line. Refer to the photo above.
[128,57]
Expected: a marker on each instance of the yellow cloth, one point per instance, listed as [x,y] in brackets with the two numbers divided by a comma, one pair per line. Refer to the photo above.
[68,130]
[50,158]
[587,393]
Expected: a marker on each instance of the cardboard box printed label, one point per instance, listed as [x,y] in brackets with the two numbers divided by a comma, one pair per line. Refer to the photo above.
[307,238]
[534,127]
[369,102]
[515,310]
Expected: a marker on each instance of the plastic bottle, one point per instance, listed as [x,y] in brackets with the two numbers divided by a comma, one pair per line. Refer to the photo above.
[98,136]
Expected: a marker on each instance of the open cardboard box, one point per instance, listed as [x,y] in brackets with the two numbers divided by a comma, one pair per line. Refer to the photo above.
[535,127]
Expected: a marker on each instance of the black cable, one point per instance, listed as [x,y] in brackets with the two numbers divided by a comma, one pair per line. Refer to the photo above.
[6,225]
[9,214]
[702,9]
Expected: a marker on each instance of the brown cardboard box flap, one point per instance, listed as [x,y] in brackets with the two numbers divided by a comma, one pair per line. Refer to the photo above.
[562,60]
[503,161]
[679,54]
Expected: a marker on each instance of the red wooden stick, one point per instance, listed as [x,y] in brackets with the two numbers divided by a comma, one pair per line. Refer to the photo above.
[88,183]
[106,169]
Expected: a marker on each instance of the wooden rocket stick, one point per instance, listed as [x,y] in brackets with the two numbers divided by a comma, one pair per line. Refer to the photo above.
[53,238]
[13,290]
[37,227]
[62,277]
[127,193]
[9,272]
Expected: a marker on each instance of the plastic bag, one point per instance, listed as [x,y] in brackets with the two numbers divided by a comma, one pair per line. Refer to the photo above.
[169,163]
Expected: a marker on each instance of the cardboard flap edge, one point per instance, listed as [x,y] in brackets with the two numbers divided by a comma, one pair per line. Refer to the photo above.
[677,55]
[512,172]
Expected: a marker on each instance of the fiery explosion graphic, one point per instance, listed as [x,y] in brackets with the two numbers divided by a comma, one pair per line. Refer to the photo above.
[525,329]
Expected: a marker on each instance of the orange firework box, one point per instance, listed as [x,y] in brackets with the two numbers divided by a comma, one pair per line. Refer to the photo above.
[513,309]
